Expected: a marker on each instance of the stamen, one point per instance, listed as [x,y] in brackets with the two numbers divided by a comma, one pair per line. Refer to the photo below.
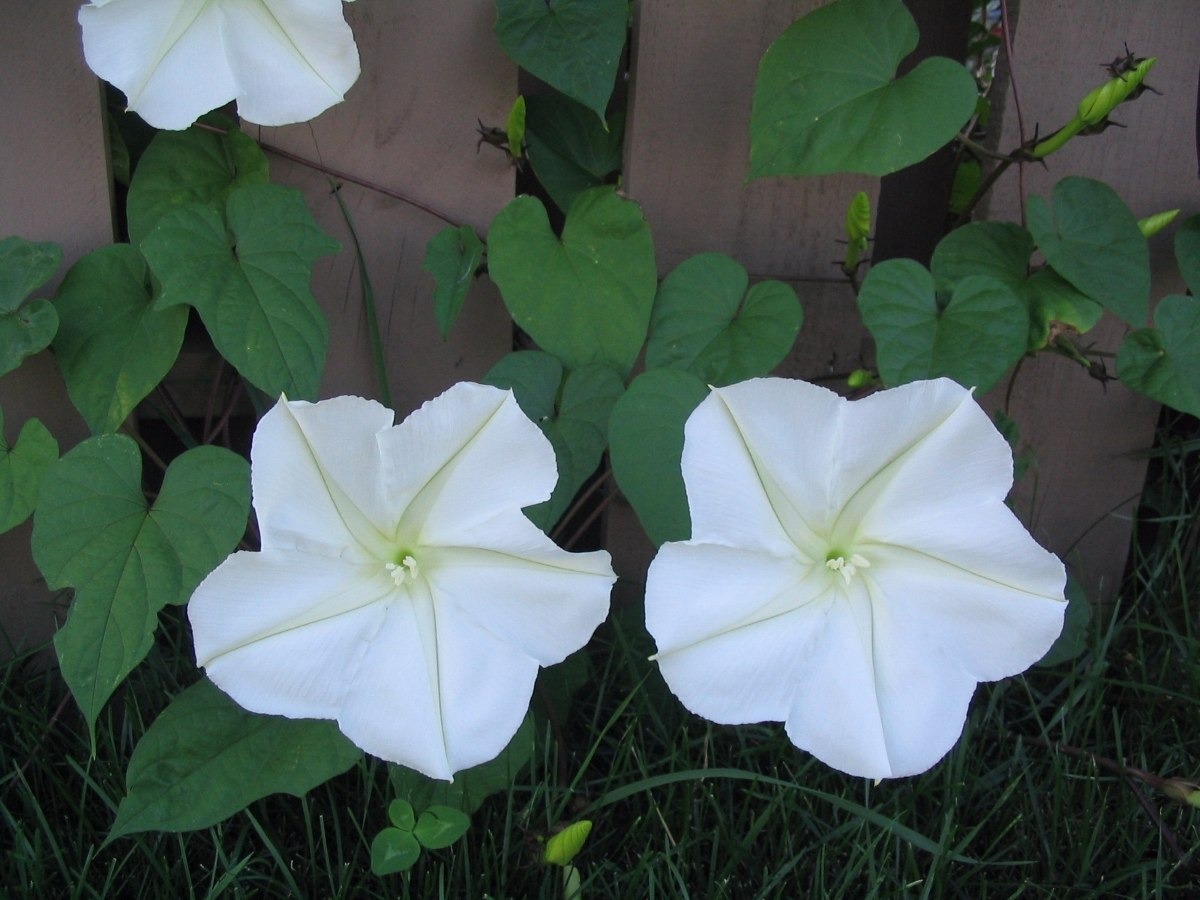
[402,571]
[846,569]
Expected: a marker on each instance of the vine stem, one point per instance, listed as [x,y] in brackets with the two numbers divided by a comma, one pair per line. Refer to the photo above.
[339,175]
[1006,23]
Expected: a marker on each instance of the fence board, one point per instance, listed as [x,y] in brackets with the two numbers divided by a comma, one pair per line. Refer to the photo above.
[53,187]
[1081,497]
[686,161]
[430,71]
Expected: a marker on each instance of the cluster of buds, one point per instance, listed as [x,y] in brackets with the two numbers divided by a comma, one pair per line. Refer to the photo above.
[1128,82]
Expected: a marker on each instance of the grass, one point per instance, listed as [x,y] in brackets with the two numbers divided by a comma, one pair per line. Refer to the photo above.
[1032,802]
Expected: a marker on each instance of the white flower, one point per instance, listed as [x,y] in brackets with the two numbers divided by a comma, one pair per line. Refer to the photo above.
[400,590]
[852,571]
[284,61]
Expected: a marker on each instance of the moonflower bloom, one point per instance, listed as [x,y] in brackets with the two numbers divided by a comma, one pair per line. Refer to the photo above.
[852,570]
[399,590]
[284,61]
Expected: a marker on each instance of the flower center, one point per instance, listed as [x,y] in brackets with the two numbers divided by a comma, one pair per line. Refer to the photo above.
[846,565]
[404,570]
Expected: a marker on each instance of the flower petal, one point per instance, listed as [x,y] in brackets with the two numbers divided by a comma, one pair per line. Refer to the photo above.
[292,59]
[539,599]
[454,701]
[733,627]
[318,475]
[461,459]
[993,610]
[285,632]
[870,705]
[167,56]
[921,451]
[755,458]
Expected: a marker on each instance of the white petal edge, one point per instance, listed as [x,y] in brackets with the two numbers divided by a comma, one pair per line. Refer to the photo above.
[291,59]
[461,459]
[167,56]
[317,477]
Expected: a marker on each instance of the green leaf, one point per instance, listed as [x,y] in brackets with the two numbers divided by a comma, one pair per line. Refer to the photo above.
[572,412]
[469,788]
[25,328]
[250,283]
[112,345]
[974,336]
[1187,252]
[21,469]
[205,758]
[827,99]
[514,128]
[587,297]
[646,443]
[573,45]
[565,846]
[534,378]
[402,815]
[93,531]
[1074,637]
[1090,237]
[1001,250]
[393,851]
[706,322]
[452,257]
[1164,362]
[441,826]
[180,168]
[569,148]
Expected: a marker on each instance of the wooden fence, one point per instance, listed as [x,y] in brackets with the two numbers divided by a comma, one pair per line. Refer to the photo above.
[430,70]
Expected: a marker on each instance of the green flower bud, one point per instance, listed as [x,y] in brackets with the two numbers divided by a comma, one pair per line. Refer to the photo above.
[858,227]
[514,129]
[1152,225]
[563,847]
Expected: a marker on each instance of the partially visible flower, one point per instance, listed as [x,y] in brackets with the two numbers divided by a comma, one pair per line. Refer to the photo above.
[284,61]
[852,571]
[400,589]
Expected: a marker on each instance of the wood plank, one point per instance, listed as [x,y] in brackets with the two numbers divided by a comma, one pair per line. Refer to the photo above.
[687,155]
[1081,497]
[430,71]
[54,186]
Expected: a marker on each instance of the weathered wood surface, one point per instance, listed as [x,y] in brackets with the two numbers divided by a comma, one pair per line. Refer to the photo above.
[1081,497]
[53,187]
[686,161]
[430,71]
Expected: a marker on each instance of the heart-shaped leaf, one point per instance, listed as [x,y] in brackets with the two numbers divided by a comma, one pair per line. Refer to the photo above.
[587,297]
[94,531]
[394,850]
[974,336]
[1164,362]
[198,165]
[1091,238]
[402,815]
[452,257]
[250,283]
[1001,250]
[21,469]
[646,443]
[25,327]
[441,826]
[205,758]
[573,45]
[1187,252]
[706,322]
[112,345]
[572,412]
[827,98]
[569,148]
